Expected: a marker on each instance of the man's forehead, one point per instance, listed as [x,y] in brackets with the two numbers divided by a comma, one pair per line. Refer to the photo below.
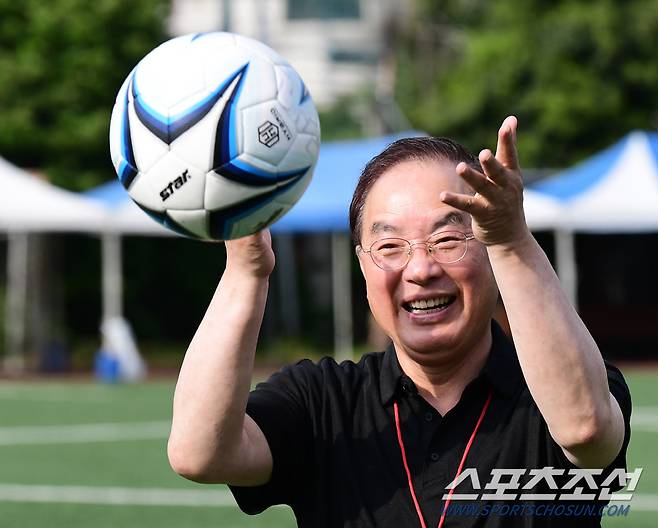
[413,183]
[406,198]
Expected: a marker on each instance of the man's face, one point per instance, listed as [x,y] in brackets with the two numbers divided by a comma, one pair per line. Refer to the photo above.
[404,202]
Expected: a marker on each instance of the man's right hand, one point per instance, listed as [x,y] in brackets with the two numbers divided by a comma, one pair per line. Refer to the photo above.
[252,255]
[212,439]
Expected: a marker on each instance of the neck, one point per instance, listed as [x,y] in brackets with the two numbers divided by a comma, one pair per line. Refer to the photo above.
[442,380]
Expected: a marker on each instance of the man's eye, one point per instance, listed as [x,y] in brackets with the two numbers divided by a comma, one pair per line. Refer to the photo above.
[446,243]
[390,247]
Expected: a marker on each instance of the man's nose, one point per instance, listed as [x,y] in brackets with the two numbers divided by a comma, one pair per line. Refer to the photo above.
[422,266]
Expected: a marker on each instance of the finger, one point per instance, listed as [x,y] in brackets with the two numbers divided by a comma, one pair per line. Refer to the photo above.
[267,236]
[252,241]
[494,170]
[464,202]
[478,181]
[506,148]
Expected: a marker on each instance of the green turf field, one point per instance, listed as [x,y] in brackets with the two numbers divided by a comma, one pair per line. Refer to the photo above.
[87,455]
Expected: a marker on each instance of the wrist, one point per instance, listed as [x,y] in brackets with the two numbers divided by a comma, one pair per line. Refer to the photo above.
[245,276]
[517,245]
[241,295]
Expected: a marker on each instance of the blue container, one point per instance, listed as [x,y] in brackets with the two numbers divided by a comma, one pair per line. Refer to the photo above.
[106,367]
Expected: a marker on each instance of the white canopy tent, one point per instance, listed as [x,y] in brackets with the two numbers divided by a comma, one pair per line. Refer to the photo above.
[542,213]
[28,204]
[614,191]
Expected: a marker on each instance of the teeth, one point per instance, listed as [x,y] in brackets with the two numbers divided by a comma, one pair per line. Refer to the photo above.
[424,304]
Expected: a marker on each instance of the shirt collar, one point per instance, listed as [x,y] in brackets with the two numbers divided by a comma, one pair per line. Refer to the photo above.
[390,375]
[501,369]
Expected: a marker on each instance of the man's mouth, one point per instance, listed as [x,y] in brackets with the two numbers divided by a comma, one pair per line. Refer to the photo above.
[434,304]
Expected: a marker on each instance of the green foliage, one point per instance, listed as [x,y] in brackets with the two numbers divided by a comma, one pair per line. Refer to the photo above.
[342,120]
[61,65]
[577,74]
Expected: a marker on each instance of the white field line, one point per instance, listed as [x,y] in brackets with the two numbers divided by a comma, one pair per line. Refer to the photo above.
[645,419]
[83,433]
[640,502]
[167,497]
[59,394]
[115,496]
[47,398]
[56,398]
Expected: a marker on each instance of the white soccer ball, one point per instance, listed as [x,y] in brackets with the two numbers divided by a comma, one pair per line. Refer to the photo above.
[214,135]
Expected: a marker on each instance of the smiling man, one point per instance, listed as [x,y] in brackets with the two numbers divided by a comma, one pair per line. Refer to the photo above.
[439,235]
[448,342]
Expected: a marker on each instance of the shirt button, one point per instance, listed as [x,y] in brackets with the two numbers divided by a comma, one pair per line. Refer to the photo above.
[428,417]
[434,457]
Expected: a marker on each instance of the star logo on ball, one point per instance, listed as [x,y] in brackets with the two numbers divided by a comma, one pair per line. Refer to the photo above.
[268,134]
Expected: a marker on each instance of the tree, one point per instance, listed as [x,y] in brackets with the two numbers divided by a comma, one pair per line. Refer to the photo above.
[578,74]
[61,65]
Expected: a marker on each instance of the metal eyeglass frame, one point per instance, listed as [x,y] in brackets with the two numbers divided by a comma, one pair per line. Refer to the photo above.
[428,247]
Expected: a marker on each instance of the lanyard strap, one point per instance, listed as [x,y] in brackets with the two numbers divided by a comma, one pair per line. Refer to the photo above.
[459,469]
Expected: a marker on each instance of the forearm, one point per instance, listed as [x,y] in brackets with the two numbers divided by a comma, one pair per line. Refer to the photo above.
[561,363]
[215,377]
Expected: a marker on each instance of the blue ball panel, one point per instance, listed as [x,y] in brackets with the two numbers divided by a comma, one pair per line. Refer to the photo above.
[168,128]
[225,140]
[168,222]
[221,221]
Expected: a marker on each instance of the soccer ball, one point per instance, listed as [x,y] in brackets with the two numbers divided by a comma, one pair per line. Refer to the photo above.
[214,135]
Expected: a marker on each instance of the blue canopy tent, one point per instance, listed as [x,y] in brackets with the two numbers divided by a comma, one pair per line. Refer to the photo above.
[322,209]
[614,191]
[324,205]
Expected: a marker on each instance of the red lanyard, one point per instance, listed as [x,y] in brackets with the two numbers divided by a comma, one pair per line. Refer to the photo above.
[459,469]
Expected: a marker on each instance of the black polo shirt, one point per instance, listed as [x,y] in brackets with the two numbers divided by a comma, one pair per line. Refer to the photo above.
[337,462]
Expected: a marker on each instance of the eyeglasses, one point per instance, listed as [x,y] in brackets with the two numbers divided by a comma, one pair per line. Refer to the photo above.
[391,254]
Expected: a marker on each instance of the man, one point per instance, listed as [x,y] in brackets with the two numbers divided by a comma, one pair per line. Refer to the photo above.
[439,235]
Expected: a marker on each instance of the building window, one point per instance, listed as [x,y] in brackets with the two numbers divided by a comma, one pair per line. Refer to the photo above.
[300,9]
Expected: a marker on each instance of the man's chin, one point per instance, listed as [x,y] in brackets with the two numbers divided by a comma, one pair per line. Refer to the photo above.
[427,343]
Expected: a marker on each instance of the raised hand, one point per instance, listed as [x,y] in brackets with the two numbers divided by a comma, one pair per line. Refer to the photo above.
[251,255]
[497,206]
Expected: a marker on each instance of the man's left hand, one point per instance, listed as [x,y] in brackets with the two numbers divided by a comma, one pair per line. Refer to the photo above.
[497,206]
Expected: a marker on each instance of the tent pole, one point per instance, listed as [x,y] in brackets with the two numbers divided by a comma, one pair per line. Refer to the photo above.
[565,259]
[112,278]
[342,295]
[17,259]
[286,275]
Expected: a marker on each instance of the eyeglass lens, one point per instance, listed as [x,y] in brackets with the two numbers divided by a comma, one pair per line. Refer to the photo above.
[394,253]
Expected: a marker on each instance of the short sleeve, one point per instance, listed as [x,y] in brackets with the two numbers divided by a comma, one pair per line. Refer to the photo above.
[619,389]
[282,408]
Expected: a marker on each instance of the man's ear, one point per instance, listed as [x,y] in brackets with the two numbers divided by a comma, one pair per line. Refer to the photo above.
[359,254]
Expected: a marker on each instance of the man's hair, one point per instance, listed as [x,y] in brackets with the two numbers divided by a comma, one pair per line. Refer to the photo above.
[416,148]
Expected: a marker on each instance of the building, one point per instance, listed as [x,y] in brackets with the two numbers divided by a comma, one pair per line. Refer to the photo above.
[337,46]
